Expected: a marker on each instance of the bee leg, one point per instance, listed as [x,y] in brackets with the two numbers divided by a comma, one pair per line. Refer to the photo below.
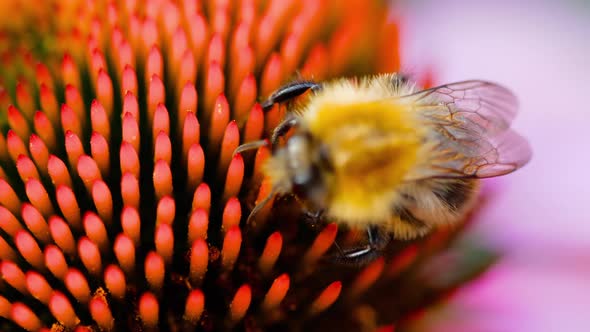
[282,129]
[377,241]
[289,91]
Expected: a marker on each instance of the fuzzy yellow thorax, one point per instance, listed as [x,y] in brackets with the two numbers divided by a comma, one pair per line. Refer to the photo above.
[373,145]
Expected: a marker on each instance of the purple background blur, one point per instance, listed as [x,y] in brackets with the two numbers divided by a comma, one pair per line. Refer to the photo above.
[541,214]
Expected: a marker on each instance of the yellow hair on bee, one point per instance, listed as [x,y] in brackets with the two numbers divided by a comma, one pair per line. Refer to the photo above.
[374,141]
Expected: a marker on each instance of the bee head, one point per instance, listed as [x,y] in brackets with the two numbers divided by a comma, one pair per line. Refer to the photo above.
[307,161]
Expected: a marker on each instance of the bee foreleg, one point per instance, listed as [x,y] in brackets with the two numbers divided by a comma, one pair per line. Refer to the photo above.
[289,91]
[282,128]
[377,241]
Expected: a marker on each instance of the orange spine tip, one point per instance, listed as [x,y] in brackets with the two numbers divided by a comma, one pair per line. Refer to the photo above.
[272,75]
[9,199]
[276,293]
[58,172]
[179,45]
[198,30]
[231,247]
[88,171]
[38,286]
[125,252]
[154,271]
[25,317]
[240,303]
[14,276]
[149,310]
[326,298]
[366,278]
[39,152]
[101,313]
[96,231]
[216,50]
[42,75]
[6,251]
[195,304]
[126,56]
[234,177]
[163,148]
[26,168]
[62,310]
[17,122]
[62,235]
[77,284]
[240,39]
[129,159]
[154,64]
[316,65]
[103,200]
[24,98]
[149,33]
[99,148]
[229,143]
[44,129]
[131,223]
[162,178]
[8,222]
[129,81]
[263,192]
[39,197]
[164,241]
[187,103]
[241,66]
[100,120]
[131,133]
[5,308]
[69,71]
[198,224]
[165,211]
[130,190]
[70,121]
[245,98]
[271,252]
[402,261]
[231,214]
[161,121]
[291,52]
[15,145]
[74,148]
[29,249]
[214,83]
[55,261]
[322,243]
[76,104]
[131,105]
[195,166]
[190,132]
[188,74]
[114,280]
[254,124]
[219,120]
[104,89]
[156,95]
[66,199]
[90,256]
[199,258]
[202,197]
[35,223]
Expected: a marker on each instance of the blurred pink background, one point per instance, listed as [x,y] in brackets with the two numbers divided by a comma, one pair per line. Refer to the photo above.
[541,214]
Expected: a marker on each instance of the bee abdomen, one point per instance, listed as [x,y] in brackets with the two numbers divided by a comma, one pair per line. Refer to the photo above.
[455,193]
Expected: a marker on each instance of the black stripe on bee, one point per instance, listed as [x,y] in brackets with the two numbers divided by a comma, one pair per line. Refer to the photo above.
[406,216]
[455,193]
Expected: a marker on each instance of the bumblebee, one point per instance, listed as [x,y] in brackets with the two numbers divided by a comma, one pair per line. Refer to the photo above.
[377,153]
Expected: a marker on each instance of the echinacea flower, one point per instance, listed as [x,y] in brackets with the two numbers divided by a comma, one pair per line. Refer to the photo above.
[122,204]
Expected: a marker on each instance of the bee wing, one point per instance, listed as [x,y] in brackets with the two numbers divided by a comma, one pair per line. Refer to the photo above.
[472,124]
